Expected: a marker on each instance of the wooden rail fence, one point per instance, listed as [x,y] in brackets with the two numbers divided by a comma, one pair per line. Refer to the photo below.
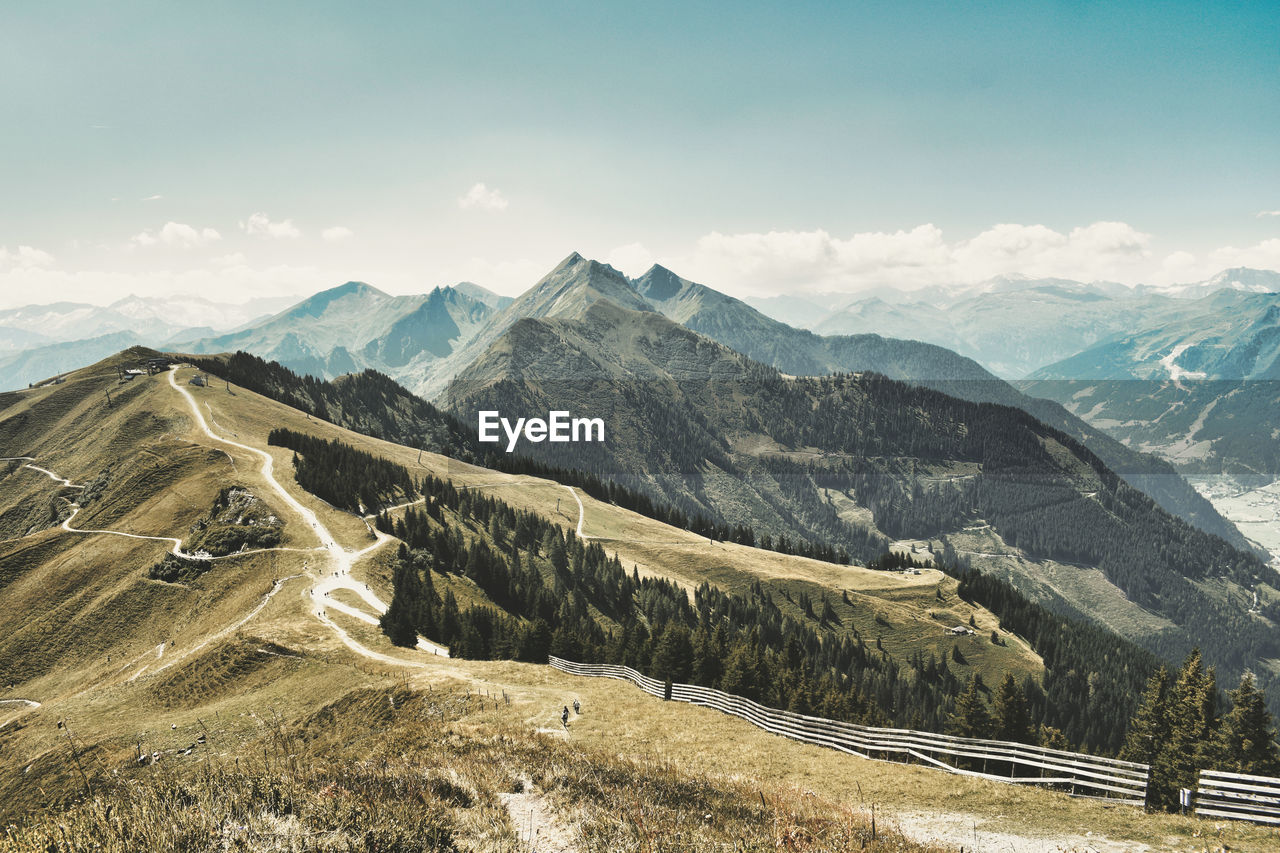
[1238,796]
[1090,776]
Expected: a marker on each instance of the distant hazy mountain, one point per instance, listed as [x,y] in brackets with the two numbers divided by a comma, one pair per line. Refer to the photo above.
[1015,326]
[153,318]
[19,339]
[41,363]
[799,311]
[798,352]
[188,312]
[1200,390]
[38,341]
[1238,278]
[1229,334]
[354,326]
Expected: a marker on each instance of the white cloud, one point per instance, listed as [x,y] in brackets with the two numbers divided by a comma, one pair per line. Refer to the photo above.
[634,259]
[1262,213]
[1265,255]
[24,258]
[336,233]
[260,225]
[155,197]
[783,260]
[1179,262]
[177,234]
[480,197]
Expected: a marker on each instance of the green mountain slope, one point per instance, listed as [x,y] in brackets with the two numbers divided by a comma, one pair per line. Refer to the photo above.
[799,352]
[851,459]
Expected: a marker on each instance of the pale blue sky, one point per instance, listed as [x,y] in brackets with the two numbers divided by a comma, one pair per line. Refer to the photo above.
[747,144]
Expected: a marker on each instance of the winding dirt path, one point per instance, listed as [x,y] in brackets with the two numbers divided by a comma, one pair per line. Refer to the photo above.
[27,705]
[176,548]
[538,828]
[340,559]
[582,513]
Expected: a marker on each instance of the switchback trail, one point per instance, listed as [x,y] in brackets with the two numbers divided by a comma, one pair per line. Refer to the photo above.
[340,559]
[176,548]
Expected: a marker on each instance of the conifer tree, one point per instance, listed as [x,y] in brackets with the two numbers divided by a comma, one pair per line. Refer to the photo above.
[1193,723]
[971,717]
[673,655]
[1175,730]
[743,671]
[1012,720]
[1247,740]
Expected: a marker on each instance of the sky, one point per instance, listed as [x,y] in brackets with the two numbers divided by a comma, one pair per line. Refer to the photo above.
[236,149]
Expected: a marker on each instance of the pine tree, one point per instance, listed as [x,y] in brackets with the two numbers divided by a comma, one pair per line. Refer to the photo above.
[1149,728]
[1193,723]
[1247,741]
[1012,719]
[673,655]
[743,672]
[971,717]
[1175,730]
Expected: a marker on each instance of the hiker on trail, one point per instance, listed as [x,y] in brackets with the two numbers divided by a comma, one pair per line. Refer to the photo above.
[577,708]
[564,717]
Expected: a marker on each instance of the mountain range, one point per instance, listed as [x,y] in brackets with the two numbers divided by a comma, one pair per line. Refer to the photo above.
[852,459]
[425,341]
[761,437]
[39,341]
[722,412]
[1019,327]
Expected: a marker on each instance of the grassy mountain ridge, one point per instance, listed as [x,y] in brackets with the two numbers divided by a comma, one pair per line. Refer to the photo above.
[282,686]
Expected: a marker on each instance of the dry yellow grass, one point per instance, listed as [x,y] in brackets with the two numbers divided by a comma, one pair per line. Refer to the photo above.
[72,601]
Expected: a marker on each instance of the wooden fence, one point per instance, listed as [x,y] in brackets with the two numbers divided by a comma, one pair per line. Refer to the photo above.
[1081,775]
[1238,796]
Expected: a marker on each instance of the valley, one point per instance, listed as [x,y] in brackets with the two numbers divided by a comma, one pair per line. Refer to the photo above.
[1254,509]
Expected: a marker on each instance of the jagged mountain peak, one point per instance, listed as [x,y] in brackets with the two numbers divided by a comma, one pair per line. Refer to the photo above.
[573,286]
[659,283]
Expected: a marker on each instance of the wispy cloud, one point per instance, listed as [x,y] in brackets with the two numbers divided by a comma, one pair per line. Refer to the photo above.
[1262,213]
[780,260]
[177,234]
[480,197]
[24,258]
[260,225]
[336,234]
[155,197]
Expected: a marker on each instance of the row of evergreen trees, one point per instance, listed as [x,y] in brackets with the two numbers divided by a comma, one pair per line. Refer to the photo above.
[340,474]
[1179,729]
[373,404]
[555,593]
